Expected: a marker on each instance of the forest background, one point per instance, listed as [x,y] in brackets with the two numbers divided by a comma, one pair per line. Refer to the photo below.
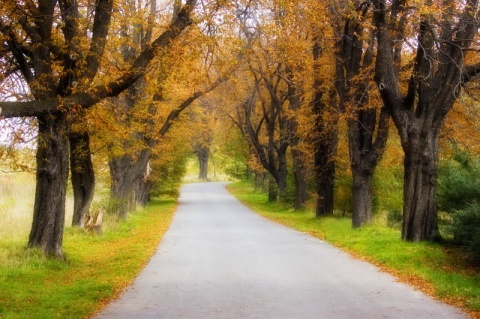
[361,109]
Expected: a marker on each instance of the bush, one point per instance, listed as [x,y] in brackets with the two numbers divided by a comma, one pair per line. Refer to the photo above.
[466,230]
[458,183]
[395,219]
[167,177]
[459,196]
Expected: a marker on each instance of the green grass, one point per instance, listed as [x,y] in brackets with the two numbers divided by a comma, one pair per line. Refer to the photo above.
[96,270]
[435,269]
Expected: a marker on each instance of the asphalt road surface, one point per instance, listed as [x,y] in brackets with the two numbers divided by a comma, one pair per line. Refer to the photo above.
[220,260]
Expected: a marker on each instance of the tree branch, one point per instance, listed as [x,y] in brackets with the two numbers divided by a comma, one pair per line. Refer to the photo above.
[90,97]
[176,113]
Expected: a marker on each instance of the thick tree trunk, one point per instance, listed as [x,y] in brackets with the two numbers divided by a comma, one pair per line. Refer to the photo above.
[52,177]
[420,184]
[203,154]
[82,176]
[362,197]
[125,172]
[366,151]
[301,174]
[123,192]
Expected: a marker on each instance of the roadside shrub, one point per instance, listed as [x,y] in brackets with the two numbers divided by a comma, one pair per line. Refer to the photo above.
[466,230]
[395,219]
[459,196]
[167,177]
[458,183]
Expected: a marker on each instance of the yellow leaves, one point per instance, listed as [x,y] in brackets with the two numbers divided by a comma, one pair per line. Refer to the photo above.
[15,158]
[462,125]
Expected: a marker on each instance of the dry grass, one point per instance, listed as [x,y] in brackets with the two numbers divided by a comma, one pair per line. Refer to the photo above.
[17,195]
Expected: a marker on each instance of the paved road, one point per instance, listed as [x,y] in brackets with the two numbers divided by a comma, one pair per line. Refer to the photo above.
[220,260]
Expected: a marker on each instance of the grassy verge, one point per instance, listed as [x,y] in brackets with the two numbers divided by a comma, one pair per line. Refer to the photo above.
[432,268]
[97,268]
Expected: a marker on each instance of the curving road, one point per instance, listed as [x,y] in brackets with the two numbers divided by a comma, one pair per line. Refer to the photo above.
[220,260]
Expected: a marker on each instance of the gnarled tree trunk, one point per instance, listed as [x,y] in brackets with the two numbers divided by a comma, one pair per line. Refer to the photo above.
[420,185]
[52,178]
[125,172]
[362,197]
[82,176]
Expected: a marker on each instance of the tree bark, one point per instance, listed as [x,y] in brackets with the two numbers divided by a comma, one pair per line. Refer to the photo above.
[420,185]
[325,177]
[362,197]
[301,175]
[82,176]
[52,177]
[142,192]
[125,172]
[143,187]
[366,152]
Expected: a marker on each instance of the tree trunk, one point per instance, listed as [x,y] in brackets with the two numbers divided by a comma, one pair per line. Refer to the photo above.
[362,197]
[301,174]
[203,154]
[142,192]
[123,192]
[366,151]
[325,189]
[272,189]
[325,173]
[326,139]
[52,178]
[125,172]
[282,172]
[143,187]
[82,176]
[420,184]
